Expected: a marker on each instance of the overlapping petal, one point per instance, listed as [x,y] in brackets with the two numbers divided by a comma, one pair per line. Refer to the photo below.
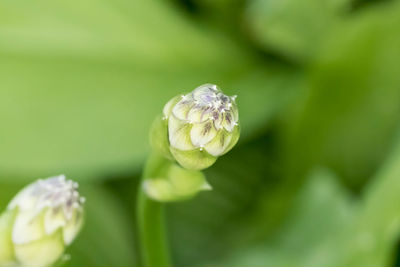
[201,125]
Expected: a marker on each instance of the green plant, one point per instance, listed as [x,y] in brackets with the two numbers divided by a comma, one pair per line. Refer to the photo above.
[193,132]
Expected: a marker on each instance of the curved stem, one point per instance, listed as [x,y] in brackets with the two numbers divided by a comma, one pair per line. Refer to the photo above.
[152,232]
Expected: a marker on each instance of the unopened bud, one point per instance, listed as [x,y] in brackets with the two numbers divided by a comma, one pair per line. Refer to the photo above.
[40,222]
[198,127]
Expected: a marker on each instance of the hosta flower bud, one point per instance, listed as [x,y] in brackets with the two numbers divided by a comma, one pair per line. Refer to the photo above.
[40,222]
[197,127]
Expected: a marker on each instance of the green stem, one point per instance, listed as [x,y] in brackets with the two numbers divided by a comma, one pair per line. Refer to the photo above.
[152,232]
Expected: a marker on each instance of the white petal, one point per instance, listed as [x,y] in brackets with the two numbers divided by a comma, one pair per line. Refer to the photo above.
[235,113]
[28,227]
[228,122]
[204,90]
[24,200]
[218,120]
[202,133]
[181,109]
[53,220]
[41,253]
[169,106]
[219,144]
[73,226]
[179,134]
[199,114]
[195,114]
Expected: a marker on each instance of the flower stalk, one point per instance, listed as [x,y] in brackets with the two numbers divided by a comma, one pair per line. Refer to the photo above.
[193,131]
[150,213]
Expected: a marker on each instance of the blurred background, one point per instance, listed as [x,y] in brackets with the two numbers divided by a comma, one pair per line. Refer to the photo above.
[315,178]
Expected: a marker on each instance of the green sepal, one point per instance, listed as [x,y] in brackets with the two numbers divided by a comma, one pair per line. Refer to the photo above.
[193,159]
[175,183]
[159,137]
[6,246]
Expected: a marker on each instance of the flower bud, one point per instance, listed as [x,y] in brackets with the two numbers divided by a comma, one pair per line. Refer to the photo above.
[40,222]
[198,127]
[175,183]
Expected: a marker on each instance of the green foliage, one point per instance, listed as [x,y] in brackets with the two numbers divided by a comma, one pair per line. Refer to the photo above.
[306,238]
[86,82]
[351,113]
[109,239]
[294,28]
[315,178]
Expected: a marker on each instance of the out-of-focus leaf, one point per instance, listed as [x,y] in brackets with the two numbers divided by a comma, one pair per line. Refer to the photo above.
[322,211]
[327,228]
[293,28]
[375,233]
[81,82]
[106,238]
[225,14]
[7,192]
[353,106]
[232,215]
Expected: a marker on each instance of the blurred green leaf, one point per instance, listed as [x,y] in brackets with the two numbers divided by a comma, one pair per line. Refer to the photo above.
[352,109]
[107,236]
[80,86]
[323,209]
[293,28]
[233,214]
[372,240]
[328,228]
[7,192]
